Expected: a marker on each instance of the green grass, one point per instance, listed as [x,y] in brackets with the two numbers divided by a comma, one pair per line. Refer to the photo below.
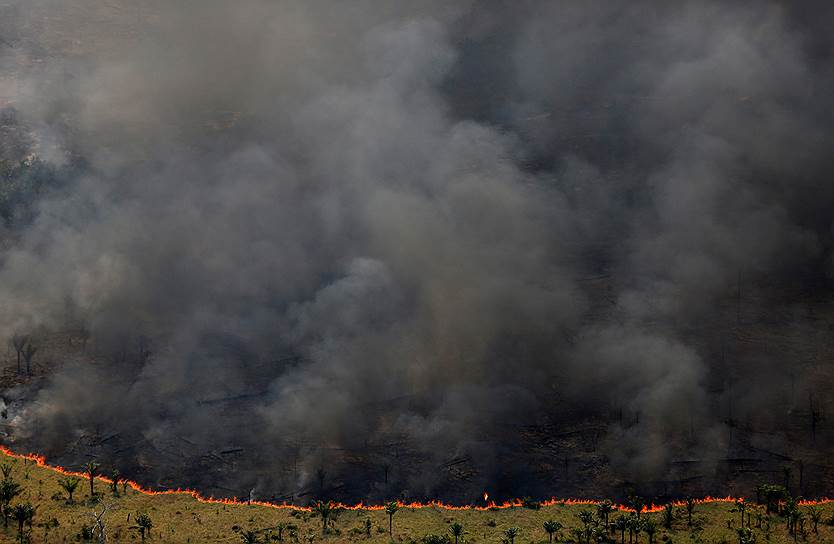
[182,518]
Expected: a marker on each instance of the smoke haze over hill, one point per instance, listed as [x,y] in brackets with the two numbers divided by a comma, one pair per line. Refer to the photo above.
[414,236]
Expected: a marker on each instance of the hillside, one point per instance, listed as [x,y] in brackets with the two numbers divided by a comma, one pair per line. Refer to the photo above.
[183,517]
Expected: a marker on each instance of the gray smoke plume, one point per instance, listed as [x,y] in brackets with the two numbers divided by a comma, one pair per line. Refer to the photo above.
[375,249]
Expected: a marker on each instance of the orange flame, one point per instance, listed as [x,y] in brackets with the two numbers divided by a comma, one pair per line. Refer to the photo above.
[40,460]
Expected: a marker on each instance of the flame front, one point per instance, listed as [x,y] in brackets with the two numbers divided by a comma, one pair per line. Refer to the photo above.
[40,460]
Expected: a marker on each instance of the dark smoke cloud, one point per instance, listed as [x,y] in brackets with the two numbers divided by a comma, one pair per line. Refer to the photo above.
[321,232]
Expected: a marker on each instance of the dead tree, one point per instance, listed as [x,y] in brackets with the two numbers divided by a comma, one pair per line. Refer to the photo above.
[28,353]
[19,341]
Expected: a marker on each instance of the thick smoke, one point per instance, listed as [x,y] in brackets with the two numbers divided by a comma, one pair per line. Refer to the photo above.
[382,249]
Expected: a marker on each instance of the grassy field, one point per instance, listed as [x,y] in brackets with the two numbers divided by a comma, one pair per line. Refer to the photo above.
[183,518]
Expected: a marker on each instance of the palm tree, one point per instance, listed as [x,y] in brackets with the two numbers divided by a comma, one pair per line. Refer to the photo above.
[746,536]
[28,354]
[280,528]
[69,484]
[6,469]
[690,508]
[586,517]
[603,510]
[668,515]
[143,523]
[634,527]
[391,509]
[115,478]
[551,527]
[740,506]
[249,537]
[637,504]
[511,533]
[48,526]
[323,508]
[457,530]
[816,516]
[650,528]
[23,513]
[621,524]
[91,469]
[8,491]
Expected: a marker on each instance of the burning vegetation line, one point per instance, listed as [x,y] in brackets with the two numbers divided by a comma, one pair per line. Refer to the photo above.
[40,461]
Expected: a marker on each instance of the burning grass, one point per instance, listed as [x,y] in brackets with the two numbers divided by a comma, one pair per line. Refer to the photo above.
[185,516]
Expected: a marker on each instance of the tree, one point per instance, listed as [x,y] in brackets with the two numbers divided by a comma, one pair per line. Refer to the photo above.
[280,529]
[6,469]
[551,527]
[29,353]
[511,533]
[587,518]
[8,491]
[115,478]
[19,342]
[816,515]
[91,469]
[690,509]
[69,484]
[249,537]
[668,515]
[637,503]
[323,508]
[48,526]
[23,513]
[650,528]
[634,527]
[740,507]
[143,524]
[745,536]
[456,529]
[604,509]
[391,508]
[621,524]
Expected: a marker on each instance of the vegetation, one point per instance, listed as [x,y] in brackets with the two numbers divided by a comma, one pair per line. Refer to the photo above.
[133,516]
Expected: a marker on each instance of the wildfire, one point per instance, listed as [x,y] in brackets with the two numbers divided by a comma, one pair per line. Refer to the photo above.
[40,460]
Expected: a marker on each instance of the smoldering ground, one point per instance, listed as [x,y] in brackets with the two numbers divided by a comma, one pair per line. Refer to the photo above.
[416,248]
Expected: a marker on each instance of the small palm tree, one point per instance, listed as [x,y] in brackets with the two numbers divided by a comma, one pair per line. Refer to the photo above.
[740,507]
[621,524]
[115,478]
[456,529]
[816,515]
[604,509]
[69,484]
[279,528]
[391,508]
[668,516]
[48,526]
[690,509]
[6,469]
[143,524]
[511,533]
[637,503]
[249,537]
[587,518]
[8,491]
[650,528]
[551,527]
[323,508]
[91,469]
[23,513]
